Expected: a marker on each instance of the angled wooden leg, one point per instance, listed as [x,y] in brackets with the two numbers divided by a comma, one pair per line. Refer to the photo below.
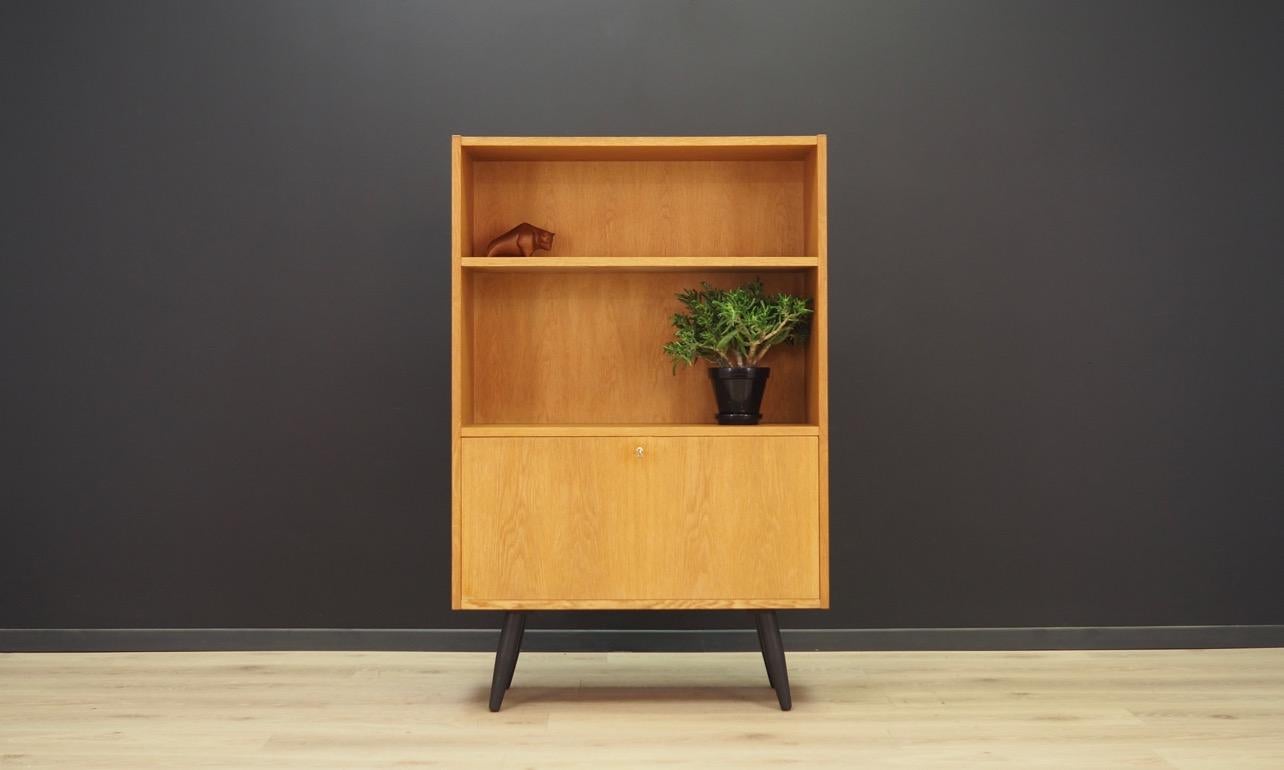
[757,621]
[521,634]
[505,658]
[774,652]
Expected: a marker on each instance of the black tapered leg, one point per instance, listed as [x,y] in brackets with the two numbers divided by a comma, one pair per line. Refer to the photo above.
[774,653]
[757,621]
[510,639]
[521,635]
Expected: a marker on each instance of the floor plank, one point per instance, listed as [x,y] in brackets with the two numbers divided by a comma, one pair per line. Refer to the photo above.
[1171,710]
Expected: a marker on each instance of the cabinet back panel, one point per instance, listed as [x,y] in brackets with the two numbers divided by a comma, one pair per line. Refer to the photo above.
[720,208]
[586,348]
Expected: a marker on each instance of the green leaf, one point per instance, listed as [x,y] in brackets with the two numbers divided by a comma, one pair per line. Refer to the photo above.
[726,326]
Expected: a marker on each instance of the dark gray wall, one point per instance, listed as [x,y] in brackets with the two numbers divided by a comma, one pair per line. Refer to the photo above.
[1056,276]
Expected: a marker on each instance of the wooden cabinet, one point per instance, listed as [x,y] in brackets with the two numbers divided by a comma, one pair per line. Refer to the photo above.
[586,473]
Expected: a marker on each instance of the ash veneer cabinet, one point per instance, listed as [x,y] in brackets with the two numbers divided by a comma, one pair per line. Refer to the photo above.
[585,474]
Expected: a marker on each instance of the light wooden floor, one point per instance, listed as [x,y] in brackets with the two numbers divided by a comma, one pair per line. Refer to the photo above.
[1184,710]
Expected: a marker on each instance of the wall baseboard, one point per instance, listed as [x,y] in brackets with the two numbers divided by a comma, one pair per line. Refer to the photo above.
[594,640]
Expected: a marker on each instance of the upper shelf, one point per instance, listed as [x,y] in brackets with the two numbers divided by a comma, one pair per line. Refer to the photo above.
[639,197]
[638,147]
[561,264]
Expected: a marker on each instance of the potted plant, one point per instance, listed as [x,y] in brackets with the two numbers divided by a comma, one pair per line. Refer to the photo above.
[733,329]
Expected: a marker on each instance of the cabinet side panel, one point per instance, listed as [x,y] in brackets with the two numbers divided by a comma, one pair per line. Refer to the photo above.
[456,364]
[820,353]
[461,335]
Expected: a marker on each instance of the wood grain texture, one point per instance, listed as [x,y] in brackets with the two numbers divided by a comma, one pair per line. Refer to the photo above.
[565,264]
[638,219]
[586,348]
[654,429]
[588,519]
[639,147]
[461,385]
[645,208]
[818,358]
[1159,710]
[811,603]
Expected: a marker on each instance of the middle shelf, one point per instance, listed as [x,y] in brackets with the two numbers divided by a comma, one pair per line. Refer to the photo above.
[562,264]
[653,429]
[586,346]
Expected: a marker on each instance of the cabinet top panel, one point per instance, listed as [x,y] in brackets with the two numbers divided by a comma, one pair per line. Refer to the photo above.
[639,147]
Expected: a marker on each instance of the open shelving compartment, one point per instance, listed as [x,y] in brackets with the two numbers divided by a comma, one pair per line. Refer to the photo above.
[568,341]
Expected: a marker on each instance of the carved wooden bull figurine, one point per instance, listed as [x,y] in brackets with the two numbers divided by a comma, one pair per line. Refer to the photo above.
[523,239]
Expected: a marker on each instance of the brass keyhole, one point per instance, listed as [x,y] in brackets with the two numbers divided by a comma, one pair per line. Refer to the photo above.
[638,452]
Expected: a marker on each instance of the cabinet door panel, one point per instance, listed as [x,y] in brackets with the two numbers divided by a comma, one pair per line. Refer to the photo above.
[593,519]
[733,517]
[547,518]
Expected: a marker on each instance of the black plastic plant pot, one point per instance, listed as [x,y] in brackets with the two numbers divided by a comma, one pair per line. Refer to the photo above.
[739,392]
